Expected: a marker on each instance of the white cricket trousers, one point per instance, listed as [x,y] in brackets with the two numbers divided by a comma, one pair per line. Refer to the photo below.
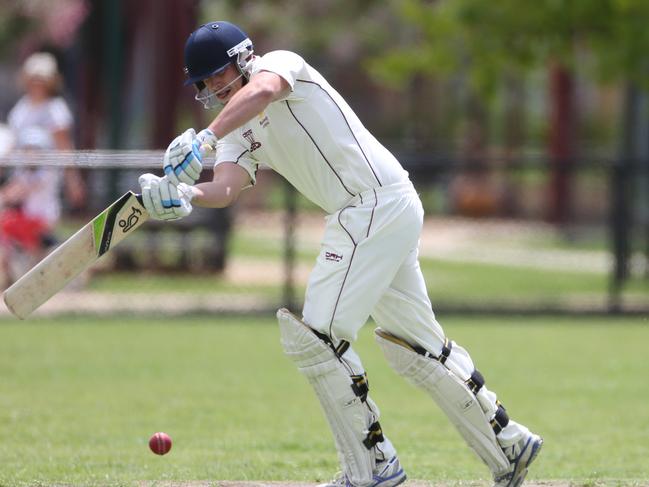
[368,266]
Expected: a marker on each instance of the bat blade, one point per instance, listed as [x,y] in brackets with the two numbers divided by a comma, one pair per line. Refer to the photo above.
[75,255]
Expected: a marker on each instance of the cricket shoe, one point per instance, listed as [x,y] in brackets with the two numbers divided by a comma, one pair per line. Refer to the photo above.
[520,455]
[387,473]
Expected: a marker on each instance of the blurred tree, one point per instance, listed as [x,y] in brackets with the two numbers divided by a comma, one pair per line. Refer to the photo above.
[13,25]
[131,71]
[33,24]
[335,36]
[489,41]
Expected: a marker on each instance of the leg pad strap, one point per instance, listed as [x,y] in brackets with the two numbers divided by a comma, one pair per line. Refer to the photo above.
[343,398]
[452,394]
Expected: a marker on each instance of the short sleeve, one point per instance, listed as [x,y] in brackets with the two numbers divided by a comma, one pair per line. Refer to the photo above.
[13,116]
[229,149]
[286,64]
[60,116]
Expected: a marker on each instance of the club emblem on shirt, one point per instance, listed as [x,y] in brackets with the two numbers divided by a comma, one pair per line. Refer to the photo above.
[254,145]
[333,256]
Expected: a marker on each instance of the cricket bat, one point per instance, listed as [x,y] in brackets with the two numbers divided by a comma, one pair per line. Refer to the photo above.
[75,255]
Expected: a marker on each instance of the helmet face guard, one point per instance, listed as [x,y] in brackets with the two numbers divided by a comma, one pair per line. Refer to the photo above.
[209,98]
[209,50]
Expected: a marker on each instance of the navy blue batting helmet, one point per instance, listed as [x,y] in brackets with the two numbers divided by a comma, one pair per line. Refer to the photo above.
[211,47]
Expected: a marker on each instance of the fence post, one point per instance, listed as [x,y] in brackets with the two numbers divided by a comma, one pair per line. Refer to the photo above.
[290,216]
[619,227]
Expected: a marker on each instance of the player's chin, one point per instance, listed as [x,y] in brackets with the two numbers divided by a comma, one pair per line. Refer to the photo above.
[225,96]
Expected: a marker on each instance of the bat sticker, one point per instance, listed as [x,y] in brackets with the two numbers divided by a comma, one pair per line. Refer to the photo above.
[131,220]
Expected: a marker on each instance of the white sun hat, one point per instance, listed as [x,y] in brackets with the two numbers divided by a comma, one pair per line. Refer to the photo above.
[40,65]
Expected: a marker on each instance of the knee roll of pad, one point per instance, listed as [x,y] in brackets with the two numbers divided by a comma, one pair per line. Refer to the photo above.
[343,397]
[452,393]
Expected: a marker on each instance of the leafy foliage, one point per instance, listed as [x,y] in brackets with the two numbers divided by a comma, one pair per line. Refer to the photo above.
[488,39]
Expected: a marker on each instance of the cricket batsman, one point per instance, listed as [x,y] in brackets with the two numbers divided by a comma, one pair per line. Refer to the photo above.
[278,110]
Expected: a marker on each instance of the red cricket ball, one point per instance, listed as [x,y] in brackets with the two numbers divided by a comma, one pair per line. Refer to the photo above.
[160,443]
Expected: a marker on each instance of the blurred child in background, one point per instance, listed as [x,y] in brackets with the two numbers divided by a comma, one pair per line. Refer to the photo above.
[30,200]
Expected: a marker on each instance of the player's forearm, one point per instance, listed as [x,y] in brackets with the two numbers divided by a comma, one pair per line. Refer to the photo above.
[243,107]
[215,194]
[63,140]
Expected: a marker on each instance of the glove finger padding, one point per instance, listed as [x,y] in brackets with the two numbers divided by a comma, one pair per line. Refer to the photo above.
[185,194]
[183,160]
[195,166]
[207,137]
[165,197]
[167,165]
[177,206]
[157,198]
[170,201]
[149,186]
[144,182]
[163,200]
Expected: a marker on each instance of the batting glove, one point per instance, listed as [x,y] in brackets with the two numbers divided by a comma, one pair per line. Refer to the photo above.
[163,199]
[183,161]
[207,140]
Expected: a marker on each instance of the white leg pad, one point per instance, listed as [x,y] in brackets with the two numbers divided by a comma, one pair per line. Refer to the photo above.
[450,393]
[348,417]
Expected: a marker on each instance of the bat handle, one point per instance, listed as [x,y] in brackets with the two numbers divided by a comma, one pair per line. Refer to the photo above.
[206,149]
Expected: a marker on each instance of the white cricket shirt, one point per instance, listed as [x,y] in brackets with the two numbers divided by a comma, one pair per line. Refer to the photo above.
[312,138]
[50,116]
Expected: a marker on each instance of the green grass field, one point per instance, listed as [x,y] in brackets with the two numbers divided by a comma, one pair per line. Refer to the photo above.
[79,399]
[454,284]
[450,283]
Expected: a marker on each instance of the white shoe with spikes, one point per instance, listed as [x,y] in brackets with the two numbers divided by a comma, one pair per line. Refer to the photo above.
[386,474]
[520,456]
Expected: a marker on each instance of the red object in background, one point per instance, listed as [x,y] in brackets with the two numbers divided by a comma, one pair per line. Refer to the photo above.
[24,231]
[562,143]
[160,443]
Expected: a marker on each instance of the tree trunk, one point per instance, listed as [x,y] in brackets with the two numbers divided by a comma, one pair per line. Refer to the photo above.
[561,143]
